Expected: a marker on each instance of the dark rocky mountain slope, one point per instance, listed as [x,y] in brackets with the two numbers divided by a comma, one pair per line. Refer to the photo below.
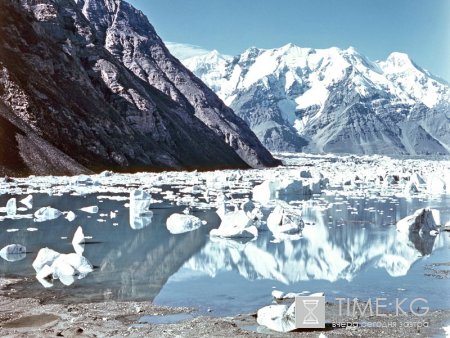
[69,105]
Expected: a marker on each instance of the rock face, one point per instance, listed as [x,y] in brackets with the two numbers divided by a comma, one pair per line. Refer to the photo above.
[70,104]
[332,100]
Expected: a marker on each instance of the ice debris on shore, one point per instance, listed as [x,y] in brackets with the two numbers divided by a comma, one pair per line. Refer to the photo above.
[50,265]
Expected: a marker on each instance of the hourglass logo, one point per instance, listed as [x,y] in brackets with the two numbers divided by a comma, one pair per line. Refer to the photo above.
[310,312]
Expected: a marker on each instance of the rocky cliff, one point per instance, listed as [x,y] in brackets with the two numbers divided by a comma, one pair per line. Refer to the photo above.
[62,83]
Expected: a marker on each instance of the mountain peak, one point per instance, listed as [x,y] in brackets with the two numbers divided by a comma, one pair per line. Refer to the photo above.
[399,59]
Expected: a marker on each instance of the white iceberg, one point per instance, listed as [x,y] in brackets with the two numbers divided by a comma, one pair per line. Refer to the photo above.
[13,252]
[436,185]
[285,221]
[140,215]
[70,216]
[422,221]
[270,189]
[181,223]
[83,180]
[46,214]
[27,201]
[44,257]
[90,210]
[50,264]
[11,207]
[78,241]
[410,188]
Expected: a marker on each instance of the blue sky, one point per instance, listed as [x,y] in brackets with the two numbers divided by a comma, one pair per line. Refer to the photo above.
[375,28]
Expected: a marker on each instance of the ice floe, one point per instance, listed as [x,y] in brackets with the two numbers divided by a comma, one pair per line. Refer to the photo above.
[46,214]
[181,223]
[13,252]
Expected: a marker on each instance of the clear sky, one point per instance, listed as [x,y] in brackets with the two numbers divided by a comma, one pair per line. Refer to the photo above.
[375,28]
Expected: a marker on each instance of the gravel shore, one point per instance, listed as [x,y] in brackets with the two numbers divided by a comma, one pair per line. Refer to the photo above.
[34,317]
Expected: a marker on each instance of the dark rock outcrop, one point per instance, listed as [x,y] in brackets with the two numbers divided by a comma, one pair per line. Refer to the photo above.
[61,86]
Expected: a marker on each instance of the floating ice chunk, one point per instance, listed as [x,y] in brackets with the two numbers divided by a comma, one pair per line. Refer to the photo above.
[181,223]
[27,201]
[265,191]
[410,188]
[71,264]
[46,214]
[141,221]
[106,173]
[269,190]
[285,221]
[279,318]
[416,179]
[436,185]
[11,207]
[140,215]
[90,210]
[32,229]
[83,180]
[61,267]
[112,215]
[45,256]
[422,221]
[140,201]
[70,216]
[13,252]
[78,241]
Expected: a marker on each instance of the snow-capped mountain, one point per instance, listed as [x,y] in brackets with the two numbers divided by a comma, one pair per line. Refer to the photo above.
[332,100]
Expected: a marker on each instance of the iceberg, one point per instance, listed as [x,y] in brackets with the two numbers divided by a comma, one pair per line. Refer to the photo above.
[181,223]
[78,241]
[46,214]
[44,257]
[11,207]
[140,215]
[422,221]
[70,216]
[282,220]
[13,252]
[27,201]
[90,210]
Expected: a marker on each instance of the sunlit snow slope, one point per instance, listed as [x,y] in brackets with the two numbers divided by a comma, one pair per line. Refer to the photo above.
[332,100]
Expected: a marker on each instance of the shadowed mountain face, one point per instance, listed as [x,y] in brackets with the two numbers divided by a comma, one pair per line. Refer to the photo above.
[71,106]
[128,35]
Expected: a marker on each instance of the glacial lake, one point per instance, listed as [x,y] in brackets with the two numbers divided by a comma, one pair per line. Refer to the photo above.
[349,248]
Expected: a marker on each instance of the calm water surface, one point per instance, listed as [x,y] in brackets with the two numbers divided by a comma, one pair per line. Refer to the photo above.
[350,248]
